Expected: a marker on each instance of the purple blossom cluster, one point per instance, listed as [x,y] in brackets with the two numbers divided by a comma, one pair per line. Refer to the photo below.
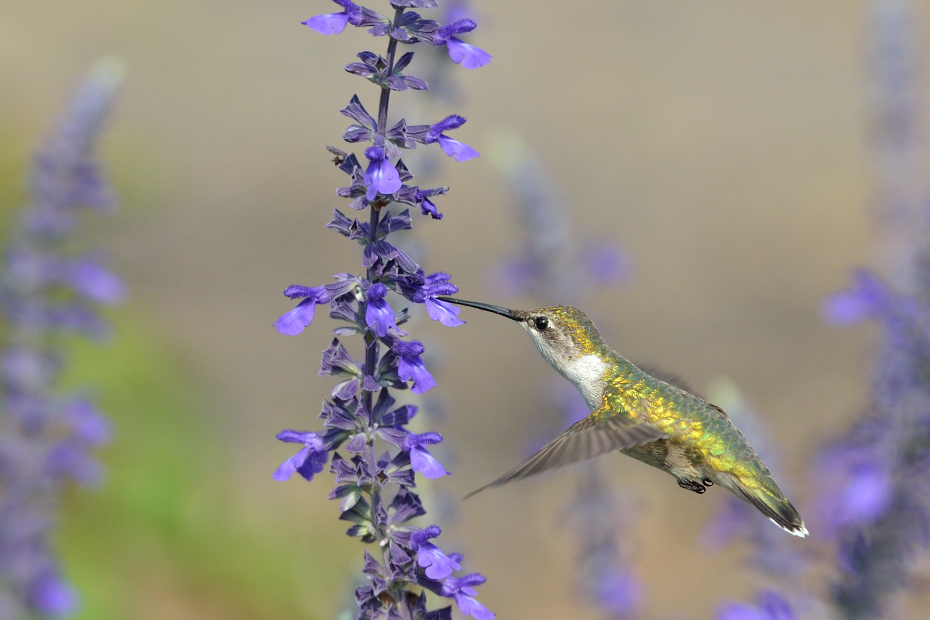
[876,477]
[47,438]
[364,439]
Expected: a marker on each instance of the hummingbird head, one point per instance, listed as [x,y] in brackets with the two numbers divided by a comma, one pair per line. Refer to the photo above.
[562,334]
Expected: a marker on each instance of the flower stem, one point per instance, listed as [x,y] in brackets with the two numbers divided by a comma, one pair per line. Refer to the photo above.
[371,358]
[386,92]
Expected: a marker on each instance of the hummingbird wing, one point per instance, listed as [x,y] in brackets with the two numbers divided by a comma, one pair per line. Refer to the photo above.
[591,437]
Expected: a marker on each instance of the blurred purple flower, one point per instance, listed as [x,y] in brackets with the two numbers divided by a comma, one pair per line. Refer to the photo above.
[771,606]
[54,597]
[618,592]
[46,438]
[867,298]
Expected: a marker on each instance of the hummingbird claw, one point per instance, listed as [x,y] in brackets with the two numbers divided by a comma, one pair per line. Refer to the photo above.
[692,485]
[708,482]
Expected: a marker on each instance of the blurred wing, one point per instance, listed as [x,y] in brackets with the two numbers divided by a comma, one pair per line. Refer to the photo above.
[584,440]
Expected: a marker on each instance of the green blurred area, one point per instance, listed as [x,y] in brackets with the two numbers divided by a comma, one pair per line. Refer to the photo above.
[153,533]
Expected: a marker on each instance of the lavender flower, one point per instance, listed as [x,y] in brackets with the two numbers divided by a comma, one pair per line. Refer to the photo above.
[375,486]
[875,477]
[47,438]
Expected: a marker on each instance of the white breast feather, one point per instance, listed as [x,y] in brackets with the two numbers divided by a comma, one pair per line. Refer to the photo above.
[587,373]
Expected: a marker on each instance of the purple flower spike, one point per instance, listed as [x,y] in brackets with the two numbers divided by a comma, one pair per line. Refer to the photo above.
[411,367]
[378,315]
[420,459]
[381,177]
[453,148]
[462,589]
[462,53]
[294,322]
[334,23]
[437,564]
[309,461]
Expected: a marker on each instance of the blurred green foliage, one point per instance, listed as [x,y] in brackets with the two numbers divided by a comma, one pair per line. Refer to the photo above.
[159,529]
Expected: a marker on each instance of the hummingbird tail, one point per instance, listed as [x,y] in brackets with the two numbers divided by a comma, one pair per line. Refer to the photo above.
[776,507]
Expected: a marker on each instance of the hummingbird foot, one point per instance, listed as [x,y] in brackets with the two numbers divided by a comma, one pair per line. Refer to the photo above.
[692,485]
[708,482]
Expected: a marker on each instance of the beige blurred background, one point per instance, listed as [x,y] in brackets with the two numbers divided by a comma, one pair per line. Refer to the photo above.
[722,144]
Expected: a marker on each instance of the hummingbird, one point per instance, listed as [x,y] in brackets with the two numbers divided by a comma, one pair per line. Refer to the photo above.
[642,416]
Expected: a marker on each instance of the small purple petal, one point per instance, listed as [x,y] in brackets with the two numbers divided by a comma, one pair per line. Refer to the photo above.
[380,317]
[469,606]
[443,312]
[457,150]
[468,56]
[460,26]
[453,121]
[381,176]
[288,467]
[314,464]
[293,322]
[333,23]
[376,291]
[305,437]
[428,208]
[437,564]
[423,462]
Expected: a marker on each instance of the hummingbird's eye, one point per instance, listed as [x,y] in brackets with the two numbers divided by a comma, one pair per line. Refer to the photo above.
[541,323]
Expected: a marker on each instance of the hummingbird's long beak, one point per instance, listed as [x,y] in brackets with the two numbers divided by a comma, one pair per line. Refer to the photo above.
[510,314]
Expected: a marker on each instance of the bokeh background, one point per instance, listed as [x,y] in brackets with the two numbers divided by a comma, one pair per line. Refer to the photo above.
[723,145]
